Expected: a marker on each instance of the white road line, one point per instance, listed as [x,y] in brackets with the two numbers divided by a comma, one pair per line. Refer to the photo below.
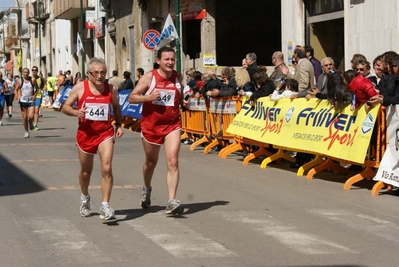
[56,237]
[363,222]
[177,238]
[286,234]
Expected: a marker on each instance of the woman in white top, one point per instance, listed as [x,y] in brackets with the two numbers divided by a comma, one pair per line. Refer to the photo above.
[10,94]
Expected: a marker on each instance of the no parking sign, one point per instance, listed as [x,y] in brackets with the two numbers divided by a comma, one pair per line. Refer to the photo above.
[151,39]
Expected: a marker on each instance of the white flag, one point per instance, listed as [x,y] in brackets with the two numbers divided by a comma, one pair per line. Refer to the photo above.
[79,45]
[168,33]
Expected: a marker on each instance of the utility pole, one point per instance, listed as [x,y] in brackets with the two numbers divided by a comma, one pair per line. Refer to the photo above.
[177,17]
[3,21]
[40,34]
[82,51]
[20,33]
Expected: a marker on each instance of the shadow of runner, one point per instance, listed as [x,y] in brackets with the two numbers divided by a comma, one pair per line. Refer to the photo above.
[132,214]
[13,181]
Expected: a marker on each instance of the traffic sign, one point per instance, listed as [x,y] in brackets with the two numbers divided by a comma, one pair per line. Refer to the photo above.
[151,39]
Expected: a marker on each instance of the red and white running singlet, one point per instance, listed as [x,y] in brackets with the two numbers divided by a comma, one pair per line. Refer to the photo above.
[98,117]
[161,116]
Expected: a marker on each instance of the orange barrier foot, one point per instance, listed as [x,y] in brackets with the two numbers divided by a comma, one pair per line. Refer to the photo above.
[260,152]
[367,173]
[279,155]
[328,164]
[230,149]
[377,187]
[200,141]
[316,161]
[214,143]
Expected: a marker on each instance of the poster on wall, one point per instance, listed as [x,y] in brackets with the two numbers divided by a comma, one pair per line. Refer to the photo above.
[100,28]
[209,60]
[90,19]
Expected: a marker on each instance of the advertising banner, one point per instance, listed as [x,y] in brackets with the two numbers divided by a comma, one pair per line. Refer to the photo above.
[127,109]
[310,125]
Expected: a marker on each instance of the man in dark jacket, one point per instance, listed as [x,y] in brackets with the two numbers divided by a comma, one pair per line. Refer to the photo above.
[252,68]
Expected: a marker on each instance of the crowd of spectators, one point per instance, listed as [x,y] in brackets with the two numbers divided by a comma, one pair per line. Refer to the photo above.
[311,78]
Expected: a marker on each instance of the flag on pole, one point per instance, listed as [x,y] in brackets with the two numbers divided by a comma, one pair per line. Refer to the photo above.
[168,33]
[79,45]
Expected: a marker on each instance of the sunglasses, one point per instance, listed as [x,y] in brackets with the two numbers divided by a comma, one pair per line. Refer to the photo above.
[34,69]
[96,73]
[294,62]
[361,69]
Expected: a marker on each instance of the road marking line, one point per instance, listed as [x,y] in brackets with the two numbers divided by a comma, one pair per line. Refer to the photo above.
[44,160]
[35,144]
[367,223]
[76,187]
[177,238]
[57,238]
[286,234]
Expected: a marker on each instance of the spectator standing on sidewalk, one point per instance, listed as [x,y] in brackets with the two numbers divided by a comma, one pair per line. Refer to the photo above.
[95,132]
[115,80]
[51,83]
[3,91]
[160,91]
[9,96]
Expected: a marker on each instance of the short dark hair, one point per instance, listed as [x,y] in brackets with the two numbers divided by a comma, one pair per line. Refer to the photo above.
[293,84]
[164,49]
[197,75]
[300,53]
[126,74]
[114,73]
[141,71]
[309,49]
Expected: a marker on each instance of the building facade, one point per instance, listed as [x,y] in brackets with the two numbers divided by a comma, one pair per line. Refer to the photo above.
[114,29]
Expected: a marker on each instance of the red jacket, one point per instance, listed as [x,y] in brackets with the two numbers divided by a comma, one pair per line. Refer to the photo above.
[363,89]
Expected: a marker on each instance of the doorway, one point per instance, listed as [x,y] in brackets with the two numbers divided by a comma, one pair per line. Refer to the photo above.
[327,40]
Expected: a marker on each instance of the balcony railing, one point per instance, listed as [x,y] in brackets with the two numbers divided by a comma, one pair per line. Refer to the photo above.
[34,14]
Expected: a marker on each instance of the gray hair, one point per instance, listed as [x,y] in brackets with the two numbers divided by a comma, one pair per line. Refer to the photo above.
[252,56]
[95,60]
[327,58]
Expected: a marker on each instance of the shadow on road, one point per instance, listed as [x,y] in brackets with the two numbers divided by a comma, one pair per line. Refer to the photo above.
[13,181]
[132,214]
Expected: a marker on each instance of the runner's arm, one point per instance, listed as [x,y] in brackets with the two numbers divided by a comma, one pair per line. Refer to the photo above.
[17,89]
[117,111]
[138,94]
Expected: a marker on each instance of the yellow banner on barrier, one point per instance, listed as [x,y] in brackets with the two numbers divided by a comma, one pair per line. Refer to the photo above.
[310,125]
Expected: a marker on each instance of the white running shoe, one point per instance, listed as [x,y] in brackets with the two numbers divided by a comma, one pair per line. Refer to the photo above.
[174,207]
[26,135]
[85,207]
[145,201]
[106,213]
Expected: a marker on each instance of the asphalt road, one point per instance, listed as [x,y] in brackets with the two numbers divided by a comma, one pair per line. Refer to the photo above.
[235,215]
